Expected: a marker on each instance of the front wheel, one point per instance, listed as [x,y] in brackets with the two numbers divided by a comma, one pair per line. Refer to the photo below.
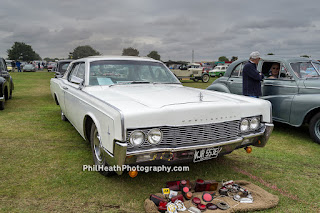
[314,128]
[97,153]
[205,78]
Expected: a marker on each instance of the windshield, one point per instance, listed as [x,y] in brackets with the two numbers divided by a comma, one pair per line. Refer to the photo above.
[126,72]
[306,69]
[63,67]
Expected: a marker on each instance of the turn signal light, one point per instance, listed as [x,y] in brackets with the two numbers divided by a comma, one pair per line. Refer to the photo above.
[133,173]
[248,149]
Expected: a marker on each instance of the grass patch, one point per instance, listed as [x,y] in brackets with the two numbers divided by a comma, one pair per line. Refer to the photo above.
[41,161]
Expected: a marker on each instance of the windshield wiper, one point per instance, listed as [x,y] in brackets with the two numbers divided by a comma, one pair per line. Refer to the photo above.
[165,83]
[139,82]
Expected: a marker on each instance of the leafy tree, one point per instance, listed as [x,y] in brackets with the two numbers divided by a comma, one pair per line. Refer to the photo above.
[306,56]
[234,58]
[223,58]
[22,51]
[84,51]
[130,51]
[154,54]
[270,54]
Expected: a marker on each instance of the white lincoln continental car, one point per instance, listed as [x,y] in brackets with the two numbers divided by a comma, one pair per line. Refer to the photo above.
[133,111]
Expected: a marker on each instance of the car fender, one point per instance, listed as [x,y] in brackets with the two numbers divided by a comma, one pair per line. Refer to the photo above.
[219,87]
[302,106]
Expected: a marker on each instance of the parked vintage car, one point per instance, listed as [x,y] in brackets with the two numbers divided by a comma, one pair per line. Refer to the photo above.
[6,84]
[9,65]
[51,66]
[218,70]
[193,71]
[29,68]
[294,94]
[61,67]
[133,110]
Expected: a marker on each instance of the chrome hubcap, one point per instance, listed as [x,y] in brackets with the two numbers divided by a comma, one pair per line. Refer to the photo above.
[317,129]
[97,147]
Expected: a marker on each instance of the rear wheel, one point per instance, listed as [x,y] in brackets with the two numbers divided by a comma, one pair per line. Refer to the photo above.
[314,128]
[220,75]
[63,117]
[97,153]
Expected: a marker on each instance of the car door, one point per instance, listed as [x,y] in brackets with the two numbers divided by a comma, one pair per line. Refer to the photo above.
[234,82]
[280,92]
[75,106]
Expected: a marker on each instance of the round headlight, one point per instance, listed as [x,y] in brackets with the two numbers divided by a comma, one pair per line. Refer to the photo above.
[254,123]
[154,136]
[136,138]
[244,126]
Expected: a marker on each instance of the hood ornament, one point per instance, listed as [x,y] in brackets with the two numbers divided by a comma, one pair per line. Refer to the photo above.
[201,96]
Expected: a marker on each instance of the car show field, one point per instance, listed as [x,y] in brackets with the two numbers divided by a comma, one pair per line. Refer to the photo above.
[42,162]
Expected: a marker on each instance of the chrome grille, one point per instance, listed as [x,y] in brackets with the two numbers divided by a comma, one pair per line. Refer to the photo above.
[195,134]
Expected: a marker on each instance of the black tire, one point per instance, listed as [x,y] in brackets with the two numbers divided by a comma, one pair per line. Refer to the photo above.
[63,117]
[1,105]
[314,128]
[205,78]
[220,75]
[10,95]
[97,154]
[195,80]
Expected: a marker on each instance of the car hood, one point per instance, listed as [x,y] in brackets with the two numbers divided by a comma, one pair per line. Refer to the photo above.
[155,95]
[156,104]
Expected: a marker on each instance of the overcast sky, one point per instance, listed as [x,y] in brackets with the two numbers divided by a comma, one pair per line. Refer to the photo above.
[173,28]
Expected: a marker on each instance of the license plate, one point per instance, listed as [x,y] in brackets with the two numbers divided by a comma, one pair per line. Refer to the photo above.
[206,154]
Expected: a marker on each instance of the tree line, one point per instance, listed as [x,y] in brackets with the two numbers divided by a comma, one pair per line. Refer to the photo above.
[24,52]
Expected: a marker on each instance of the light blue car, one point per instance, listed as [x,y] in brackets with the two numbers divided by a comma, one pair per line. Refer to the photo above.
[294,93]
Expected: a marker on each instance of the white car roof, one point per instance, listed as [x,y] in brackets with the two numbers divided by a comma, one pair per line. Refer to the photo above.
[110,57]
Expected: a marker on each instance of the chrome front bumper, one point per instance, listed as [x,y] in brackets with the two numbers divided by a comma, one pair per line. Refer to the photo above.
[121,156]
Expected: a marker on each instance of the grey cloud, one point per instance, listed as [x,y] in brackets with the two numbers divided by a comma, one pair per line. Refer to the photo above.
[173,28]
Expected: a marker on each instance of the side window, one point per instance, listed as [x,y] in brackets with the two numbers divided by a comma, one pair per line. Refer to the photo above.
[81,69]
[77,73]
[237,71]
[284,74]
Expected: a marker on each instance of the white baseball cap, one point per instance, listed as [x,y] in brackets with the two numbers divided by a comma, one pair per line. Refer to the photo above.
[255,55]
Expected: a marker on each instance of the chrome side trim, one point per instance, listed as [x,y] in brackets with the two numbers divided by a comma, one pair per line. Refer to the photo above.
[280,86]
[311,88]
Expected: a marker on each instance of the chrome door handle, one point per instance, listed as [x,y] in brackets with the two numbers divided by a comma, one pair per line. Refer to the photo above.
[65,88]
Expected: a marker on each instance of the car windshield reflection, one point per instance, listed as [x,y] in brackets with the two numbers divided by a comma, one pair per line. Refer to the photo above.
[116,72]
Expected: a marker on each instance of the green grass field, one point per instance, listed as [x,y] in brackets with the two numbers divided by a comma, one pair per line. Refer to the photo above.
[41,160]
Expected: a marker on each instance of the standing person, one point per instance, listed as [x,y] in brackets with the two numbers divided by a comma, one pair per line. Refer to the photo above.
[39,65]
[18,64]
[252,77]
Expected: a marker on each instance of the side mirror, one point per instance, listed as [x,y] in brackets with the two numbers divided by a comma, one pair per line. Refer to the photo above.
[58,75]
